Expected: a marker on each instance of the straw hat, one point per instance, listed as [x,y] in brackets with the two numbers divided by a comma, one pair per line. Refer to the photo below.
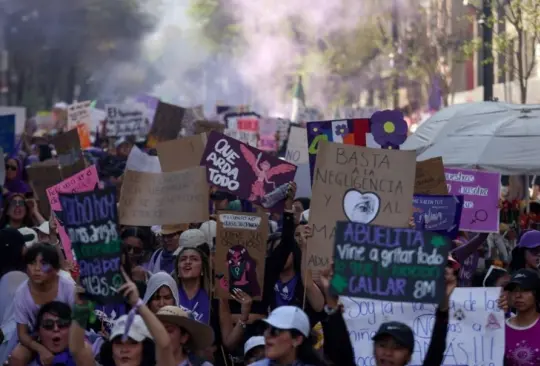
[171,229]
[202,336]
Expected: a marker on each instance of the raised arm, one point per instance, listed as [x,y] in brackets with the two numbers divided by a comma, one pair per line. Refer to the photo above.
[462,252]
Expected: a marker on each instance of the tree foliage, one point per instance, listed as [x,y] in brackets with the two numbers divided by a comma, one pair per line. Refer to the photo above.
[54,45]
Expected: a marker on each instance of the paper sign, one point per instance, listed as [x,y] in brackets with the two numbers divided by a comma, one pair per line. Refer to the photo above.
[167,123]
[378,262]
[124,120]
[164,198]
[440,214]
[7,133]
[430,177]
[80,117]
[20,117]
[90,220]
[475,328]
[297,147]
[481,198]
[243,126]
[267,134]
[84,181]
[182,153]
[142,162]
[241,252]
[244,170]
[362,185]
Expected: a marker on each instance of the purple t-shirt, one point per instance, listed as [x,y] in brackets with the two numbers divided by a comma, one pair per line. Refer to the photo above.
[26,309]
[522,345]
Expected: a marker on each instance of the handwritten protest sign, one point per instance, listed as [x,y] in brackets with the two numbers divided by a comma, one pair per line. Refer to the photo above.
[378,262]
[124,119]
[70,156]
[440,214]
[189,148]
[430,177]
[240,252]
[84,181]
[475,327]
[167,123]
[481,198]
[245,171]
[243,126]
[164,198]
[297,146]
[79,116]
[359,184]
[90,219]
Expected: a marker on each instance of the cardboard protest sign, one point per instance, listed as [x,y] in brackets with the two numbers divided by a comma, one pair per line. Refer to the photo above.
[70,156]
[345,131]
[377,262]
[243,126]
[245,171]
[164,198]
[167,123]
[79,117]
[90,219]
[476,327]
[42,176]
[180,154]
[430,177]
[371,186]
[297,146]
[440,214]
[208,126]
[241,252]
[84,181]
[124,120]
[481,198]
[7,133]
[191,116]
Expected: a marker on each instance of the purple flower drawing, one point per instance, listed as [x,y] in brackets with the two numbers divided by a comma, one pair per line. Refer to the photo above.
[341,130]
[389,129]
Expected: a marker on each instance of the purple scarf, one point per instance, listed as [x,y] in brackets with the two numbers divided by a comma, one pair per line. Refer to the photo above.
[285,291]
[199,305]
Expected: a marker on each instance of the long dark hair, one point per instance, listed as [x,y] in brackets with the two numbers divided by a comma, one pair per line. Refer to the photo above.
[305,352]
[148,354]
[4,219]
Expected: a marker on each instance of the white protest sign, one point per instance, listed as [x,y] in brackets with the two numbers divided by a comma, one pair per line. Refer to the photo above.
[475,330]
[124,119]
[297,147]
[142,162]
[79,113]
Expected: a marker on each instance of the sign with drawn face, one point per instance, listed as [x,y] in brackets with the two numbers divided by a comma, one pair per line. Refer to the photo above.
[359,184]
[377,262]
[481,198]
[245,171]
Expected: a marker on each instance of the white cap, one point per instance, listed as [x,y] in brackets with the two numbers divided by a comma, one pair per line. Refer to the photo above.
[209,230]
[138,331]
[26,231]
[44,228]
[305,215]
[288,318]
[192,238]
[252,343]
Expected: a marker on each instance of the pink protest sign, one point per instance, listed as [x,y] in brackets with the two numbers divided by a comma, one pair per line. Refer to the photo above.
[480,192]
[84,181]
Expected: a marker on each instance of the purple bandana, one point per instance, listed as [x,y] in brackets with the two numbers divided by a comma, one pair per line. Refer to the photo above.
[285,291]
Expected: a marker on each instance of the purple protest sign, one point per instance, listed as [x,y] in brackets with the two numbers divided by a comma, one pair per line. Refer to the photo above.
[481,192]
[438,213]
[245,171]
[468,268]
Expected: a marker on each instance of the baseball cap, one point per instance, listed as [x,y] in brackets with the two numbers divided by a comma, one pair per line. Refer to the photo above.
[30,236]
[252,343]
[526,279]
[192,238]
[530,240]
[137,331]
[305,216]
[44,228]
[401,333]
[209,230]
[13,237]
[289,318]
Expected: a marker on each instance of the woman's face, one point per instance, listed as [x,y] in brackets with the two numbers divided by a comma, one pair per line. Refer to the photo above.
[532,257]
[135,249]
[17,208]
[190,264]
[522,300]
[178,336]
[129,353]
[388,352]
[54,332]
[279,343]
[170,241]
[162,297]
[11,169]
[39,271]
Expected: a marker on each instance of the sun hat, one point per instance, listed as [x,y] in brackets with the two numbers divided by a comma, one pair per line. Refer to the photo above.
[171,229]
[137,331]
[44,228]
[289,318]
[401,333]
[252,343]
[530,240]
[202,336]
[30,236]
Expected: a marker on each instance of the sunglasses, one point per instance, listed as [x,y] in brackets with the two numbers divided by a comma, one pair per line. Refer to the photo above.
[48,324]
[17,203]
[133,250]
[11,167]
[274,332]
